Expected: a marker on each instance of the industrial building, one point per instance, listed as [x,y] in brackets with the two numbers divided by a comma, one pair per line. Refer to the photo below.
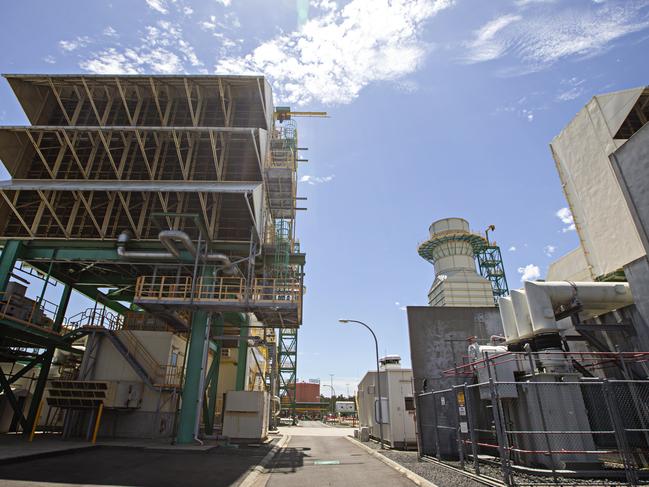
[396,403]
[170,202]
[551,379]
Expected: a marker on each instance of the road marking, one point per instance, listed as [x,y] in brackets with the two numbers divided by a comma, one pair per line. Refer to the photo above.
[326,462]
[255,477]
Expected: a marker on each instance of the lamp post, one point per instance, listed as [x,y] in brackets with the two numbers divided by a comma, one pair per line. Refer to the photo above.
[378,375]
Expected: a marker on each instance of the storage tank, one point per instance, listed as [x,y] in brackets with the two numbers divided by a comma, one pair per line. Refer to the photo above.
[451,249]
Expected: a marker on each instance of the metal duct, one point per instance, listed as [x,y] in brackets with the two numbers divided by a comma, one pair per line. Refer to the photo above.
[509,320]
[124,238]
[522,314]
[168,238]
[594,297]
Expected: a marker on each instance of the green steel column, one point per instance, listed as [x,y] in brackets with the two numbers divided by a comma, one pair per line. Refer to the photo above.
[209,404]
[41,383]
[242,356]
[7,261]
[193,371]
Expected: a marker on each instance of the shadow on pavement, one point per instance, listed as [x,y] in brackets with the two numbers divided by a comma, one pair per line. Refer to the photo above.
[288,460]
[220,467]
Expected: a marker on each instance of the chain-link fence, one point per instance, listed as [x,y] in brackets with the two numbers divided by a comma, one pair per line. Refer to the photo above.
[547,428]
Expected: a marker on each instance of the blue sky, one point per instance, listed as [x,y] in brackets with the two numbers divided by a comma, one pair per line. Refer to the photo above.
[438,108]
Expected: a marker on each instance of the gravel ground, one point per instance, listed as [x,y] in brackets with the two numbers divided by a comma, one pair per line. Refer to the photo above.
[443,477]
[434,473]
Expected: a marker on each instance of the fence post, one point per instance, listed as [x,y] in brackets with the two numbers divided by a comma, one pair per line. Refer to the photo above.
[620,435]
[436,433]
[472,431]
[499,425]
[460,442]
[418,429]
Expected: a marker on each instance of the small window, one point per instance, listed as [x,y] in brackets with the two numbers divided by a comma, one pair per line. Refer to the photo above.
[174,358]
[410,403]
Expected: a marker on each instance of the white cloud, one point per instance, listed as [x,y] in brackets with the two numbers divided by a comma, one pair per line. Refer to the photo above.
[529,273]
[566,218]
[210,24]
[485,45]
[110,32]
[49,59]
[225,3]
[162,50]
[188,11]
[572,88]
[158,5]
[552,34]
[74,44]
[337,53]
[316,180]
[549,250]
[512,248]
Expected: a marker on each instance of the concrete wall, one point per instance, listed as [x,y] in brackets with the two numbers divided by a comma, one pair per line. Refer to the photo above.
[581,152]
[432,328]
[631,165]
[154,418]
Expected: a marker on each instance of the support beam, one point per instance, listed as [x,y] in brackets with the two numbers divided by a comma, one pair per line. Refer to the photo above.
[9,394]
[193,370]
[242,358]
[212,381]
[234,187]
[10,254]
[37,396]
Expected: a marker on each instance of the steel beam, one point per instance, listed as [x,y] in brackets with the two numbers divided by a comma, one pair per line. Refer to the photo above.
[46,363]
[193,370]
[10,254]
[236,187]
[212,382]
[242,357]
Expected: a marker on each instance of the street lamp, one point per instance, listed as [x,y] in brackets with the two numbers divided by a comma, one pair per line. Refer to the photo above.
[378,374]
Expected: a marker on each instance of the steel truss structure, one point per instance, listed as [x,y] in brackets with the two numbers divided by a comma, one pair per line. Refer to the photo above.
[109,163]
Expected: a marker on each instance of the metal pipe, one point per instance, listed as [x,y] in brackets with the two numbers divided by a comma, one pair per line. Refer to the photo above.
[168,238]
[125,237]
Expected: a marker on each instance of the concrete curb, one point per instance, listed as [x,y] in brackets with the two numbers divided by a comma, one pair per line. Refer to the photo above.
[410,475]
[252,478]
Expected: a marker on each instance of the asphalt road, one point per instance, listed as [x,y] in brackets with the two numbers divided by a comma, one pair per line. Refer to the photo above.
[222,467]
[328,459]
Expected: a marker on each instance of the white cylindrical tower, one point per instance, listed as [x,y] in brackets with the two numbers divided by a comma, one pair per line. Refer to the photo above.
[451,249]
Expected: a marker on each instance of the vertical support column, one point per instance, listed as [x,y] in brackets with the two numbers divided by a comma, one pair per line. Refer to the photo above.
[209,403]
[46,363]
[8,259]
[242,356]
[193,370]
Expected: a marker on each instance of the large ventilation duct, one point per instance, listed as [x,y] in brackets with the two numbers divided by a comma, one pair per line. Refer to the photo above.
[594,298]
[168,238]
[508,318]
[522,314]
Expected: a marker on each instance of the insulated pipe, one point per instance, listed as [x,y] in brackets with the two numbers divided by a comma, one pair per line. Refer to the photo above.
[278,405]
[124,238]
[597,297]
[522,314]
[168,239]
[508,319]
